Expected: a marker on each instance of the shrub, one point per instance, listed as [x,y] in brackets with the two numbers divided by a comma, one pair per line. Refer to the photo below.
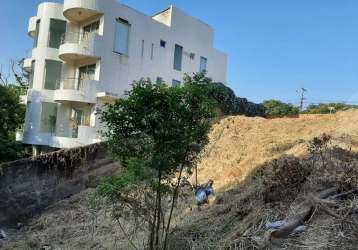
[225,99]
[327,108]
[275,108]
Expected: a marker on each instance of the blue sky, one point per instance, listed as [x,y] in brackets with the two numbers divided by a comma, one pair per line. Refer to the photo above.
[274,47]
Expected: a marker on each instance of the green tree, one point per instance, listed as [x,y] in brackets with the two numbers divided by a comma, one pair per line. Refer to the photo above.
[327,108]
[226,102]
[11,117]
[275,108]
[157,133]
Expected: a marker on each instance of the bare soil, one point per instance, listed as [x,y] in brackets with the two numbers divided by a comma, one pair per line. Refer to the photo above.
[263,171]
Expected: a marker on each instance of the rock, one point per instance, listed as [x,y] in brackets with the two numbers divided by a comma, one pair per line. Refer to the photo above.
[19,226]
[3,235]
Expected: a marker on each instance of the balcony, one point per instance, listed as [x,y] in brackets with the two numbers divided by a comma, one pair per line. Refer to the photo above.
[31,30]
[80,47]
[81,10]
[76,90]
[27,64]
[83,135]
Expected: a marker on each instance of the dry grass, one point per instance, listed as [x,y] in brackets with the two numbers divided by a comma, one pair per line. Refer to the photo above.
[275,191]
[236,219]
[239,144]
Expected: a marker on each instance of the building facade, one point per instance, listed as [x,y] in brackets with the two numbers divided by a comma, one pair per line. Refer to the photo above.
[88,52]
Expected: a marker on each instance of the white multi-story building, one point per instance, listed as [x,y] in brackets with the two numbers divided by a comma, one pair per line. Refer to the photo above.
[88,52]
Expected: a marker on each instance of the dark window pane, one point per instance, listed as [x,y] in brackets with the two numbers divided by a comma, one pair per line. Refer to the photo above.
[162,43]
[203,63]
[178,56]
[122,37]
[175,83]
[52,74]
[48,117]
[57,30]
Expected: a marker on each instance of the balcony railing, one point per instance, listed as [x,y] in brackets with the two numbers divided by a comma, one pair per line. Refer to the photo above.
[77,37]
[72,83]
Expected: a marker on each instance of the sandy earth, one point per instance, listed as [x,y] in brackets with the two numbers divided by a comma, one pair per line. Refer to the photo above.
[238,144]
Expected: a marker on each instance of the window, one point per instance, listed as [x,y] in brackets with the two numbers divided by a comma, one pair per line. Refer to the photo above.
[79,117]
[37,31]
[121,39]
[85,73]
[142,51]
[175,83]
[90,29]
[159,80]
[48,117]
[152,51]
[162,43]
[192,56]
[203,63]
[52,74]
[57,30]
[178,57]
[31,75]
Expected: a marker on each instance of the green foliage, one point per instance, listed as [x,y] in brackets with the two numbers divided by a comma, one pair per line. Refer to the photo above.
[156,132]
[225,99]
[327,108]
[12,116]
[275,108]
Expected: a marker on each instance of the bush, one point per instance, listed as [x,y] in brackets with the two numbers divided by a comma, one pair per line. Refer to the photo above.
[328,108]
[275,108]
[12,116]
[225,99]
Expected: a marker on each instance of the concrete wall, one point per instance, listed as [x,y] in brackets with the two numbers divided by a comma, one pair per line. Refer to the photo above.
[30,185]
[114,72]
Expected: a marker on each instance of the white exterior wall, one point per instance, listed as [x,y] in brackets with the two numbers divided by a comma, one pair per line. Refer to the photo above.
[114,72]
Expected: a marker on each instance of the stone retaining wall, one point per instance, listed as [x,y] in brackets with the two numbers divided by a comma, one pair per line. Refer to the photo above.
[29,185]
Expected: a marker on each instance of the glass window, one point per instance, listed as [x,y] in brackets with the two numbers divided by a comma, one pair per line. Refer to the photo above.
[121,39]
[178,56]
[90,29]
[142,52]
[162,43]
[85,73]
[48,117]
[159,80]
[79,117]
[53,71]
[31,75]
[203,63]
[175,83]
[57,30]
[151,52]
[37,31]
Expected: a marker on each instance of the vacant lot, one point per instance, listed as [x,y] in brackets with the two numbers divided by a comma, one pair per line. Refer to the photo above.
[238,144]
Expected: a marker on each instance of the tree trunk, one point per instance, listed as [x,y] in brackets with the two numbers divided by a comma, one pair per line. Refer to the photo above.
[158,208]
[174,198]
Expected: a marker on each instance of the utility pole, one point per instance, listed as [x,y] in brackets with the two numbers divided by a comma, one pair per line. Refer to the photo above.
[302,97]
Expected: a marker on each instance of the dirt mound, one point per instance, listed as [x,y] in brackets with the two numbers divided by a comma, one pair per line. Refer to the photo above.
[269,170]
[283,190]
[238,144]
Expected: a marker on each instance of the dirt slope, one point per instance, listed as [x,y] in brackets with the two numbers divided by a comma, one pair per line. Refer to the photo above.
[238,144]
[237,217]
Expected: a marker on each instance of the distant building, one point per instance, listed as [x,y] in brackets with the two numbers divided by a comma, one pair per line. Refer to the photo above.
[87,53]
